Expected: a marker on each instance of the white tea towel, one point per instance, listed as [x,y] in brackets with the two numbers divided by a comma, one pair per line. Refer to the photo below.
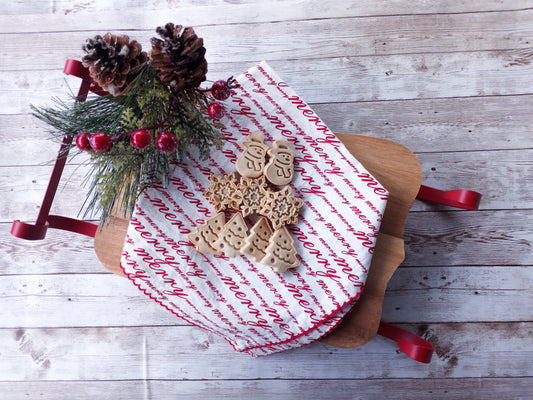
[254,308]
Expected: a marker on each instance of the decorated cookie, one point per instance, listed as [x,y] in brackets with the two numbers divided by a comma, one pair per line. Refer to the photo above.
[269,241]
[257,241]
[207,233]
[250,194]
[280,253]
[281,207]
[221,192]
[251,161]
[231,239]
[280,168]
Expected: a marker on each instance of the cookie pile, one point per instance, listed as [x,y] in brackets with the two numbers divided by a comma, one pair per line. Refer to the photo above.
[254,192]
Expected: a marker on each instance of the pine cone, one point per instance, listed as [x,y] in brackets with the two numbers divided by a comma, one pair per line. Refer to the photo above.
[179,59]
[113,61]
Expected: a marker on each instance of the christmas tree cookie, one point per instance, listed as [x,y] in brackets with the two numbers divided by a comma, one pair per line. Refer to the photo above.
[258,240]
[207,233]
[231,239]
[280,253]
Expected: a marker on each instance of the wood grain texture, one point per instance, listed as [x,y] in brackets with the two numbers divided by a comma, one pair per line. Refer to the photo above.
[136,353]
[439,124]
[450,80]
[24,257]
[371,78]
[281,37]
[44,300]
[266,389]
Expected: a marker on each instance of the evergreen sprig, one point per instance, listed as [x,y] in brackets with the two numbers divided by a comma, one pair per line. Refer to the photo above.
[119,175]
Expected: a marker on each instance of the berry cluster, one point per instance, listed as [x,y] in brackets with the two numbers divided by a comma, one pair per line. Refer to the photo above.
[101,142]
[220,90]
[166,142]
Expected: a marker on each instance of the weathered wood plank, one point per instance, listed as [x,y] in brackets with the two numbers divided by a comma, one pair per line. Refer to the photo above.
[23,189]
[278,38]
[506,172]
[414,295]
[469,238]
[268,389]
[60,252]
[393,77]
[48,256]
[500,176]
[312,9]
[26,140]
[463,277]
[78,300]
[458,294]
[390,77]
[188,353]
[446,124]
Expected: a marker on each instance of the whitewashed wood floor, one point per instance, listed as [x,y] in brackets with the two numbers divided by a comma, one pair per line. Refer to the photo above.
[451,80]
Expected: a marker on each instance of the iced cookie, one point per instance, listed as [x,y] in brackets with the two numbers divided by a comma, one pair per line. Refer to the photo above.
[280,168]
[281,207]
[206,234]
[280,253]
[249,195]
[257,241]
[231,239]
[251,161]
[221,191]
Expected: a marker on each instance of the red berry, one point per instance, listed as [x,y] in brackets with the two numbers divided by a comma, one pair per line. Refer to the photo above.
[101,142]
[216,110]
[220,90]
[83,141]
[166,142]
[140,139]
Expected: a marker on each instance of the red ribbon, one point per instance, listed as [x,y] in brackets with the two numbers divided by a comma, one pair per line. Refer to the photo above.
[415,347]
[465,199]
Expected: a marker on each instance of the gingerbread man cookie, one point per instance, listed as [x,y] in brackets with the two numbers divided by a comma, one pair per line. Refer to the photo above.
[280,168]
[251,161]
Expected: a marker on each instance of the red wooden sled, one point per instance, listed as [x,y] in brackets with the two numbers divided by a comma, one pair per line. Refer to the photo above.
[392,164]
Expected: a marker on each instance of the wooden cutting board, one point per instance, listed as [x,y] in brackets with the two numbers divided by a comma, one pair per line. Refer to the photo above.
[396,168]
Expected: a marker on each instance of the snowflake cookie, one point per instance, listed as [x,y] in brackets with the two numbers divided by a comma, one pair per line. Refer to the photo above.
[281,207]
[249,195]
[221,192]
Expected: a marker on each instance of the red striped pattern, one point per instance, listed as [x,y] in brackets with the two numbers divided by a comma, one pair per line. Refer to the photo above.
[255,309]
